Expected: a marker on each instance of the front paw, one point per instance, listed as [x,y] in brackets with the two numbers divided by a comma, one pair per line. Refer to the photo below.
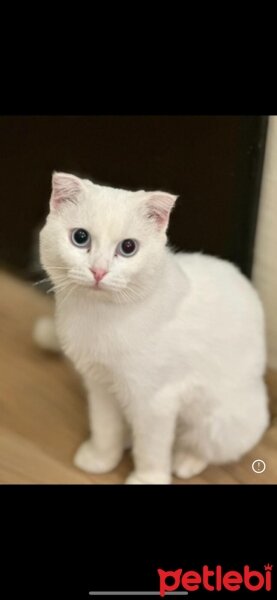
[187,465]
[147,478]
[91,460]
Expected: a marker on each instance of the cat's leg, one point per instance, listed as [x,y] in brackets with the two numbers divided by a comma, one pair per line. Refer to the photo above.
[103,450]
[188,459]
[153,425]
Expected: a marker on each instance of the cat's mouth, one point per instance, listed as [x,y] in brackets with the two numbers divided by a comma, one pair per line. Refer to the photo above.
[78,279]
[120,294]
[117,291]
[96,287]
[100,287]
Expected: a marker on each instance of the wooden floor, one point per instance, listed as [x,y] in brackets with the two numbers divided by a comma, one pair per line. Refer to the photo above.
[43,415]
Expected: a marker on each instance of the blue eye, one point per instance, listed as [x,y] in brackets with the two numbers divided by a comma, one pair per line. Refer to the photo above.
[127,248]
[80,238]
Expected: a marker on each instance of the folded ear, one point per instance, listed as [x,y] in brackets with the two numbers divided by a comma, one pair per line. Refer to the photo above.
[159,206]
[65,188]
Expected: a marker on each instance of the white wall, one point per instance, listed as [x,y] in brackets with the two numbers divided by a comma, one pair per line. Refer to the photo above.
[265,258]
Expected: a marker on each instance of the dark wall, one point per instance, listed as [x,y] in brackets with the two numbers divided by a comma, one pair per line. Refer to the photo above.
[213,163]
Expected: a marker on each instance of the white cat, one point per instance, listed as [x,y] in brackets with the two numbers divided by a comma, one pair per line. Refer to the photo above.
[170,346]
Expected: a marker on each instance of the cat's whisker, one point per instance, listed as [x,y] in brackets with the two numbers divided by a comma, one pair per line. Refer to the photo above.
[123,295]
[41,281]
[59,286]
[72,287]
[54,267]
[130,293]
[59,280]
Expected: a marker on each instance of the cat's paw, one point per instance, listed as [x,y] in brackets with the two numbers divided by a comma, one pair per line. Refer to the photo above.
[147,478]
[187,465]
[91,460]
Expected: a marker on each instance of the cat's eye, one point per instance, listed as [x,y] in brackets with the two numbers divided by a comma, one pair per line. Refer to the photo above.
[127,248]
[80,238]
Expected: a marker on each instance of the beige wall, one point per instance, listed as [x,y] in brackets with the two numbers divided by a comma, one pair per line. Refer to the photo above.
[265,263]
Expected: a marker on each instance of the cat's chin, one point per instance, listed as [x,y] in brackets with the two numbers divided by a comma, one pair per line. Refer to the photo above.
[98,292]
[110,294]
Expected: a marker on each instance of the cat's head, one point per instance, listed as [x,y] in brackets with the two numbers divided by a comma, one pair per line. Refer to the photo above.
[109,241]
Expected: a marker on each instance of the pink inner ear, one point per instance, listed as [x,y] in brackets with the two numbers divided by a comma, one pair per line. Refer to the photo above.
[161,217]
[64,188]
[159,206]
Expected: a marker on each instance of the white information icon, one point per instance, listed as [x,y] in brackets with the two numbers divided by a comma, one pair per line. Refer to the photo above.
[258,466]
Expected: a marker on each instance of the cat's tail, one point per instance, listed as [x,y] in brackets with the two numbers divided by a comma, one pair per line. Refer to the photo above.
[44,334]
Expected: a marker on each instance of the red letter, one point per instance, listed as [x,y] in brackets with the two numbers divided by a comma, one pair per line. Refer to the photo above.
[218,578]
[248,574]
[268,581]
[206,574]
[191,580]
[165,587]
[232,581]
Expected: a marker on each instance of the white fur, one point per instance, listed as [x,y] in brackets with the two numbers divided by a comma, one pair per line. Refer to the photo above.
[171,347]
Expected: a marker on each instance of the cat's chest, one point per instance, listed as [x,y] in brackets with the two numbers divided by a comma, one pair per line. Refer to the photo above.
[95,335]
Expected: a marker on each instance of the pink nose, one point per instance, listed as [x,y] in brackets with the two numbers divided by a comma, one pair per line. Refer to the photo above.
[98,274]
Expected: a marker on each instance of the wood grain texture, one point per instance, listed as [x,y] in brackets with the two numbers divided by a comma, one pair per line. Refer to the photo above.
[43,413]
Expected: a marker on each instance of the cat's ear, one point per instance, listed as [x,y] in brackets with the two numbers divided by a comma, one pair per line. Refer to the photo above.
[158,208]
[65,188]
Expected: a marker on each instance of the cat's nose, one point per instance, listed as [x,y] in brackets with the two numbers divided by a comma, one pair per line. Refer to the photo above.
[98,274]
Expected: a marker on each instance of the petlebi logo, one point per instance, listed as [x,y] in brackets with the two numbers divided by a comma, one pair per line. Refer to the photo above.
[182,582]
[215,580]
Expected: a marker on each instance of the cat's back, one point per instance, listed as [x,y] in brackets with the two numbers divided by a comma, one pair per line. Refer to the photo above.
[216,277]
[221,293]
[206,266]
